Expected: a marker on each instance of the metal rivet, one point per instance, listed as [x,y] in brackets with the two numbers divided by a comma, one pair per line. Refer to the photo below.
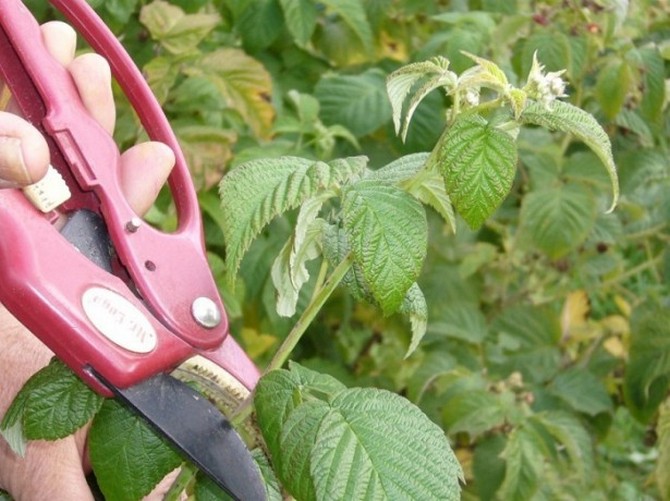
[133,225]
[206,312]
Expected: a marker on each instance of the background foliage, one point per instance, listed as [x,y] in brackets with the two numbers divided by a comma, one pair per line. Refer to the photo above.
[547,353]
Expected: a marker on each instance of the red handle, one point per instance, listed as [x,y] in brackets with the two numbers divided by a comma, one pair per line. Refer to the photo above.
[43,274]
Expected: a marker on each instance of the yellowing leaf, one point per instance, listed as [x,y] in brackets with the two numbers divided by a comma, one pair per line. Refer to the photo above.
[207,151]
[575,311]
[615,347]
[256,343]
[623,305]
[245,84]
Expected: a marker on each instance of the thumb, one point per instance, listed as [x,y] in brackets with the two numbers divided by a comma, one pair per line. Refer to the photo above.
[24,154]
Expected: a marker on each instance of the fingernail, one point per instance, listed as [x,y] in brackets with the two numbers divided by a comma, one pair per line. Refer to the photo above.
[13,170]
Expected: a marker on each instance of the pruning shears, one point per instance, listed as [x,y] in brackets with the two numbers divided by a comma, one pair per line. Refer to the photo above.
[120,302]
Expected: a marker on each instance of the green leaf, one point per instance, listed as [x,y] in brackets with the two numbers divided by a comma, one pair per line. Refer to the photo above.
[425,185]
[572,437]
[424,77]
[647,375]
[352,12]
[289,272]
[388,233]
[300,16]
[652,104]
[128,458]
[558,220]
[415,308]
[461,320]
[472,412]
[478,163]
[432,191]
[59,404]
[255,192]
[401,169]
[485,74]
[276,398]
[328,441]
[206,490]
[178,32]
[298,439]
[487,465]
[374,444]
[53,404]
[583,391]
[529,338]
[612,87]
[553,49]
[259,24]
[358,102]
[567,118]
[523,465]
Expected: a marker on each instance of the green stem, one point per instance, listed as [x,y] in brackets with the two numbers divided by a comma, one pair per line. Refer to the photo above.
[319,298]
[652,263]
[185,477]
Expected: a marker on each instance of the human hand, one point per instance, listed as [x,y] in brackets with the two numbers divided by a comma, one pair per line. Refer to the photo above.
[56,470]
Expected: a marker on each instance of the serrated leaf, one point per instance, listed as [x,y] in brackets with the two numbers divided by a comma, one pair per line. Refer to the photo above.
[207,151]
[244,82]
[485,74]
[553,48]
[432,74]
[531,335]
[128,458]
[584,392]
[647,376]
[298,438]
[478,163]
[572,437]
[178,32]
[388,233]
[461,320]
[567,118]
[425,185]
[612,86]
[559,219]
[523,465]
[300,16]
[289,272]
[401,169]
[275,400]
[258,24]
[374,444]
[472,412]
[352,12]
[336,248]
[256,192]
[358,102]
[652,104]
[414,307]
[59,404]
[53,404]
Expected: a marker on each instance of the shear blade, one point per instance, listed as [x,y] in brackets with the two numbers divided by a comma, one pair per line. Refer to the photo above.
[197,428]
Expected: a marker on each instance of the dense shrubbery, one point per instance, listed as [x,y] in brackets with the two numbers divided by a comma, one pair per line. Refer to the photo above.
[546,355]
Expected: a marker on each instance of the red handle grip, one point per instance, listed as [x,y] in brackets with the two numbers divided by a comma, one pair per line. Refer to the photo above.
[44,279]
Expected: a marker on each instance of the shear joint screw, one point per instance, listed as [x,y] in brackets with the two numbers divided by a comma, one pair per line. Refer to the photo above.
[133,225]
[206,312]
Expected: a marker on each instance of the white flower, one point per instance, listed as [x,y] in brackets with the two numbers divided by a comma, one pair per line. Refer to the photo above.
[471,97]
[544,87]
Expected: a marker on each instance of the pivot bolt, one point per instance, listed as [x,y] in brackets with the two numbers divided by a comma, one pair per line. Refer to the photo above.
[206,312]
